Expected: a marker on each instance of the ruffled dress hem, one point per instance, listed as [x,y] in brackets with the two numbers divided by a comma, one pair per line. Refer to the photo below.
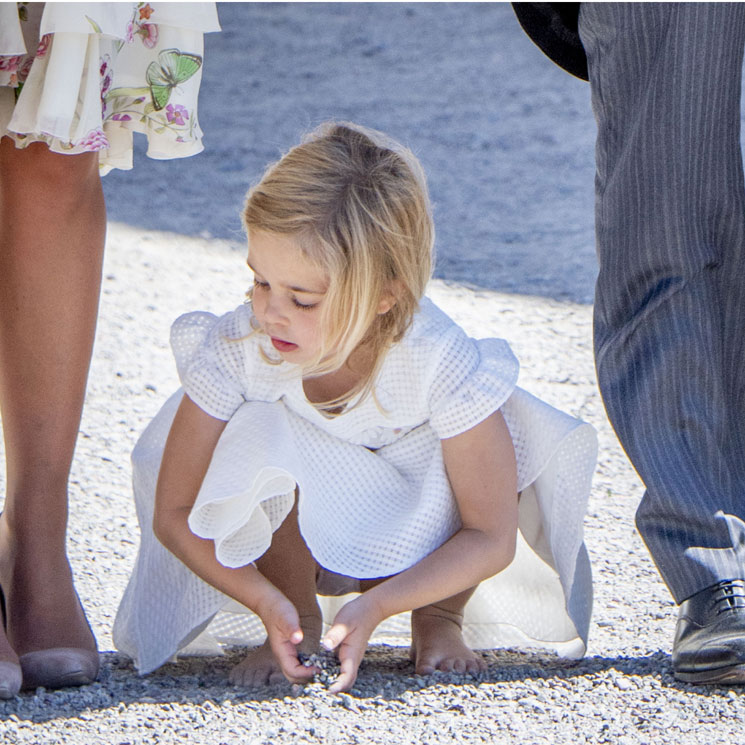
[91,74]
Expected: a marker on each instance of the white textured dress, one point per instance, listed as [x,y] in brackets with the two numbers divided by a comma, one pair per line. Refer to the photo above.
[374,497]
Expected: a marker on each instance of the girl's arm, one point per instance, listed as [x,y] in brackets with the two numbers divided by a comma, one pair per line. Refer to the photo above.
[188,451]
[482,470]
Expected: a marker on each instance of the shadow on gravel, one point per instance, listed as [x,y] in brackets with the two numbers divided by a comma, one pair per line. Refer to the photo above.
[386,675]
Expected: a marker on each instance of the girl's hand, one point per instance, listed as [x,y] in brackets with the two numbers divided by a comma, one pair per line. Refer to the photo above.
[284,634]
[348,635]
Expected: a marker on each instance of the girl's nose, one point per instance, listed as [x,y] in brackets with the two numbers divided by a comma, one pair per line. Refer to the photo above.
[274,312]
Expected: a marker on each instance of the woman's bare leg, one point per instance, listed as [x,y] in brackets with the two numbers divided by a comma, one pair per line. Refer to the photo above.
[52,233]
[290,567]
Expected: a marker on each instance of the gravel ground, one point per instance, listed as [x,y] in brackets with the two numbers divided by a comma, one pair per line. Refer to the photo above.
[508,143]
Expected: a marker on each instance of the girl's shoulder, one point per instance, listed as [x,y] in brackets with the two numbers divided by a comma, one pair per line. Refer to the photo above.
[437,350]
[458,379]
[433,333]
[429,324]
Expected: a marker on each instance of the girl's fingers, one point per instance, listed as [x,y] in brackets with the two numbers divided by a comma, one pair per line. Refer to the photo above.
[347,676]
[283,625]
[334,636]
[284,636]
[292,668]
[299,673]
[284,642]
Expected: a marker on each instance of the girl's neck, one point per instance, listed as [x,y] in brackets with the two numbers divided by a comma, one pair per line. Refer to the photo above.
[332,386]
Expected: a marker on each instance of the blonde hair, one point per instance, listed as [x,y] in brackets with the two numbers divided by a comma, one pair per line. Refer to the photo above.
[357,204]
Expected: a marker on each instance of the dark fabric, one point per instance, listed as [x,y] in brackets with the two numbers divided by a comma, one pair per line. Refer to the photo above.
[669,303]
[553,28]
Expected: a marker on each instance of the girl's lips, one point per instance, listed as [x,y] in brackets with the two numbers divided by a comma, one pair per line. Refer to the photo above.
[283,346]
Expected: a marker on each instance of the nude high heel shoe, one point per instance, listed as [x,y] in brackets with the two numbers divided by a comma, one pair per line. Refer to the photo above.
[10,679]
[10,672]
[59,667]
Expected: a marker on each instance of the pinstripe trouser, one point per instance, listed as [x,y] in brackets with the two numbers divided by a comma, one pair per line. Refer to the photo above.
[670,297]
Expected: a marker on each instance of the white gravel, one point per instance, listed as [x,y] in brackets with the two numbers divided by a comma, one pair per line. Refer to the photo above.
[507,141]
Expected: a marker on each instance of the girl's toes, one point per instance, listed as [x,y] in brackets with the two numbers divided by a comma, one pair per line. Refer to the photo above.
[276,677]
[476,665]
[459,665]
[252,673]
[445,665]
[424,665]
[237,676]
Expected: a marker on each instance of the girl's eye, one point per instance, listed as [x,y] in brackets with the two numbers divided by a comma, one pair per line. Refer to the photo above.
[304,306]
[260,284]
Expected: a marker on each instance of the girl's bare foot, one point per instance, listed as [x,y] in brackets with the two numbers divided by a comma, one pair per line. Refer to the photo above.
[437,643]
[260,666]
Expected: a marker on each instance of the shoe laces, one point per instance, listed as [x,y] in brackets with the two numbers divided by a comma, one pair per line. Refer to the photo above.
[729,595]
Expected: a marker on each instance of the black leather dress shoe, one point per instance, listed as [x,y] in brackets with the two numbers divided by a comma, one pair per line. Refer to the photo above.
[709,645]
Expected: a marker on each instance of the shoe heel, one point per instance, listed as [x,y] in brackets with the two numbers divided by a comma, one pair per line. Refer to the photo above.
[11,676]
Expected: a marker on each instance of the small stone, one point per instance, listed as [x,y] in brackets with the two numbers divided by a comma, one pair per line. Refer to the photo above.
[326,663]
[624,684]
[349,703]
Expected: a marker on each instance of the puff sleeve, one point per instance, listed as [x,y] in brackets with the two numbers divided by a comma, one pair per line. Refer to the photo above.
[211,359]
[468,380]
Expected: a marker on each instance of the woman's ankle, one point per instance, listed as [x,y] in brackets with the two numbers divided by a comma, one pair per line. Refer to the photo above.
[36,528]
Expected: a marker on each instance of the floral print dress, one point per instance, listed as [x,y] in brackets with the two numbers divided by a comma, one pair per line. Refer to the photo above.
[83,77]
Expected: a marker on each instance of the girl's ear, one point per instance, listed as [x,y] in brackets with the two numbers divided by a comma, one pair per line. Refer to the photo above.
[389,297]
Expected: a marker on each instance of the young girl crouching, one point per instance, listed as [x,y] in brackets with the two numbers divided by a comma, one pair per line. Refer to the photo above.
[338,432]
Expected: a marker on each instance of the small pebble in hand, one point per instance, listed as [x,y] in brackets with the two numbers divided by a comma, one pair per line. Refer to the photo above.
[327,664]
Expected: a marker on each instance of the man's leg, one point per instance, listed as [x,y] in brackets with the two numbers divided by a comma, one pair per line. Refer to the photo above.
[670,219]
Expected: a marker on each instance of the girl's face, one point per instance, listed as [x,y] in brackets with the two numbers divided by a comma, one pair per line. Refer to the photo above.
[288,293]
